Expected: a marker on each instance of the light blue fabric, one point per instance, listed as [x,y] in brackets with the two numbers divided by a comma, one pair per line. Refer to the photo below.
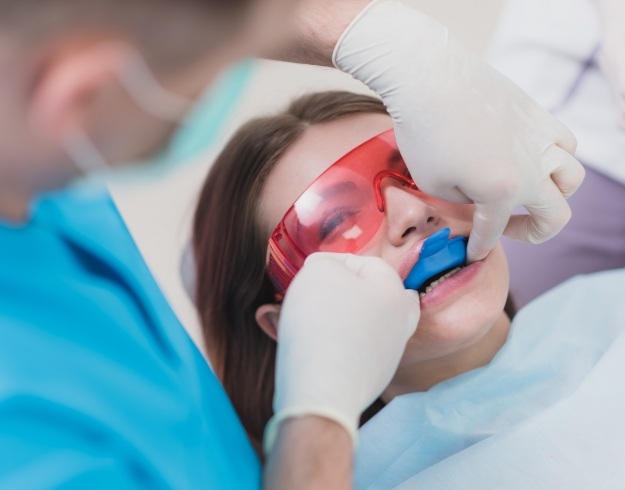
[565,349]
[100,385]
[576,444]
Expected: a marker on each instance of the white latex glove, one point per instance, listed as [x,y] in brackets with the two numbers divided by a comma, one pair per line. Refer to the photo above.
[467,133]
[612,54]
[343,328]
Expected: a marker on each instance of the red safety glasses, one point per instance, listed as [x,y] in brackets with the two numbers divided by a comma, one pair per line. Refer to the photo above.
[340,211]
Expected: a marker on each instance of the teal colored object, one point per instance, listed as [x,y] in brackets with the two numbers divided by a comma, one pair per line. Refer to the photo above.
[195,135]
[438,254]
[100,385]
[208,118]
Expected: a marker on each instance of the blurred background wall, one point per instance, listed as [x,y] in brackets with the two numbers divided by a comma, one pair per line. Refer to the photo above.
[158,210]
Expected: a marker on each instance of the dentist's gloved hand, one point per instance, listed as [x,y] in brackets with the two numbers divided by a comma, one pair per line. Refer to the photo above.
[343,328]
[467,133]
[612,53]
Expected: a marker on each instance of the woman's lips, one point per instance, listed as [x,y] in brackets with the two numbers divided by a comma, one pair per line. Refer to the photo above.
[452,285]
[411,258]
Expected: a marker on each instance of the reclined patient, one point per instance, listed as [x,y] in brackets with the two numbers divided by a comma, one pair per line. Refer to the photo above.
[325,175]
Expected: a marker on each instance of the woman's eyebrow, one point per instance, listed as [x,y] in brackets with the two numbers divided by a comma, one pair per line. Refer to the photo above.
[339,188]
[393,159]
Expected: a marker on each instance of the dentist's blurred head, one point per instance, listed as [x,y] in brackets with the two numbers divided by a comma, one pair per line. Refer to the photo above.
[112,78]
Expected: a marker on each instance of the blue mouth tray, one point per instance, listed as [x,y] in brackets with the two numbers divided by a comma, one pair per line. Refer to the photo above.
[438,254]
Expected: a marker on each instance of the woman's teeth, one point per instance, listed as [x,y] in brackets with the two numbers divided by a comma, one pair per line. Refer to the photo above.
[438,281]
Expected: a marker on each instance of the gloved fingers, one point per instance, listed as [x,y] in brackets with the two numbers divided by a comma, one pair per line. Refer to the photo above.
[553,130]
[413,295]
[414,311]
[371,267]
[324,256]
[565,138]
[376,272]
[451,193]
[547,216]
[381,273]
[489,222]
[566,171]
[360,265]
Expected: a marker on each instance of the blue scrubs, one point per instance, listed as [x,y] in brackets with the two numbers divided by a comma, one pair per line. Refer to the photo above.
[100,385]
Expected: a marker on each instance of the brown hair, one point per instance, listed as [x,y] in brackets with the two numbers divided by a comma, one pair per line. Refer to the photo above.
[230,247]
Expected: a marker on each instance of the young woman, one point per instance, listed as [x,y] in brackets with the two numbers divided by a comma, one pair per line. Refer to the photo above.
[327,175]
[266,166]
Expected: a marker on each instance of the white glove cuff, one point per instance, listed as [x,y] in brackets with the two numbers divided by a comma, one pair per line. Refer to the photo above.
[349,28]
[389,42]
[271,431]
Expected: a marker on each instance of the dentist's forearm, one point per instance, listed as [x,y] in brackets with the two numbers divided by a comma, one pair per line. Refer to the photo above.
[317,26]
[310,453]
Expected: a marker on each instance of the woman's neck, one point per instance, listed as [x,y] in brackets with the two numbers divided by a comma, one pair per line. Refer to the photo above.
[421,376]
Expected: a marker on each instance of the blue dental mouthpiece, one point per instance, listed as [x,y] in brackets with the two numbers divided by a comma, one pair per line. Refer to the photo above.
[438,254]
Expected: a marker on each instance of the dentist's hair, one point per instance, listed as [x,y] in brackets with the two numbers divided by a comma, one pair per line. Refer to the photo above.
[230,245]
[166,31]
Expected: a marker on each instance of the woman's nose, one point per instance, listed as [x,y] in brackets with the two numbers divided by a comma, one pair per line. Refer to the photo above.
[407,215]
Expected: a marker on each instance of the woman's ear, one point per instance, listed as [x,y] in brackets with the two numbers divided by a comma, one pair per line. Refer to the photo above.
[267,317]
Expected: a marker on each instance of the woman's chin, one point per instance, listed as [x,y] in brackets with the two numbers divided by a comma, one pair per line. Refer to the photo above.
[445,332]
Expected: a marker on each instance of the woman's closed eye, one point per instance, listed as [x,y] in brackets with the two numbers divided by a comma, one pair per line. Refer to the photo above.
[335,222]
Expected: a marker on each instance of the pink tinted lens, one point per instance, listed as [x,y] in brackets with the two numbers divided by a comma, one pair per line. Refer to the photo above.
[338,212]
